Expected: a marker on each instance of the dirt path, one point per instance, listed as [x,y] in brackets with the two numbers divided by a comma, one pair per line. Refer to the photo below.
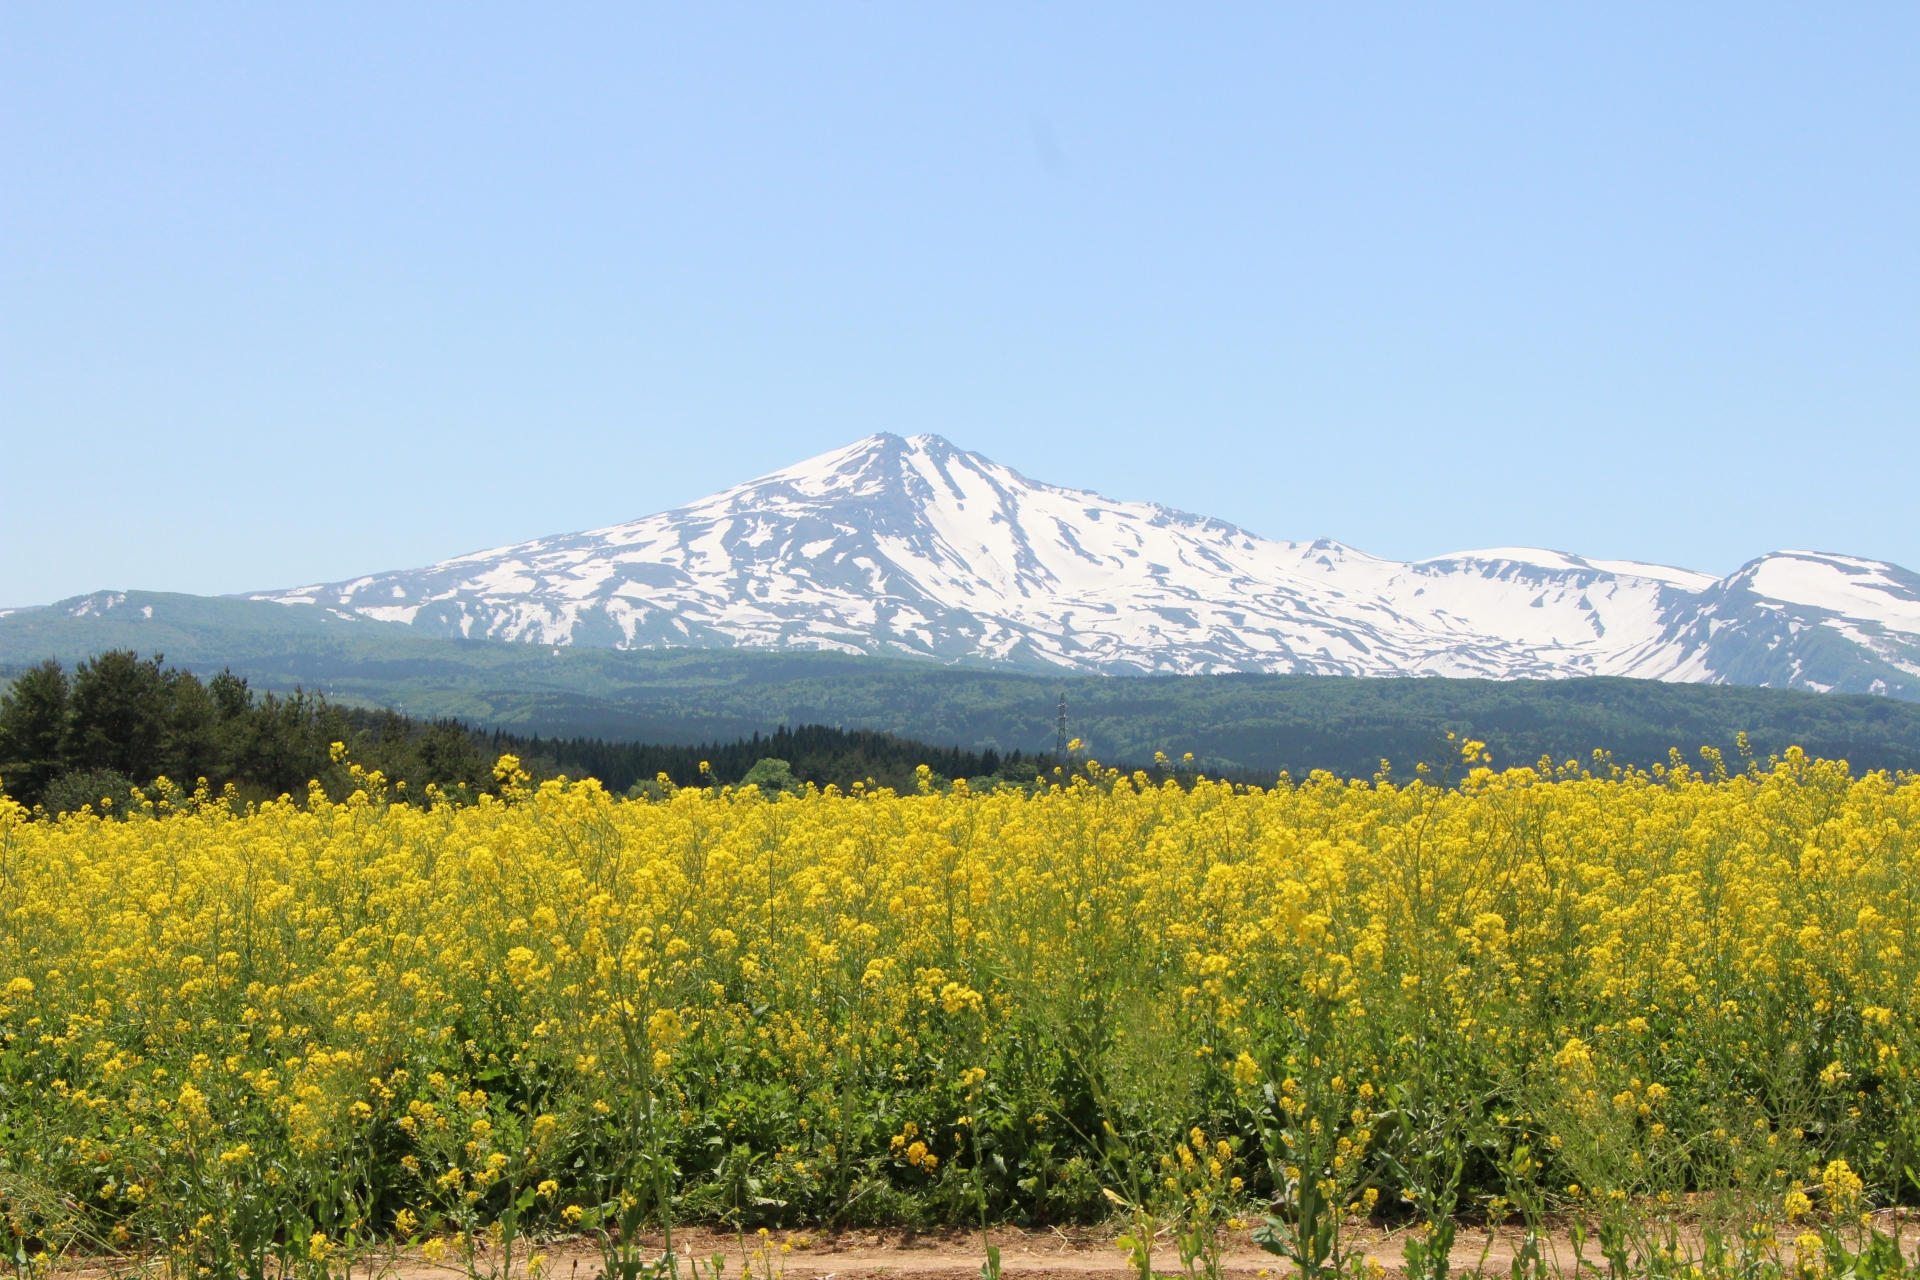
[1076,1253]
[1069,1254]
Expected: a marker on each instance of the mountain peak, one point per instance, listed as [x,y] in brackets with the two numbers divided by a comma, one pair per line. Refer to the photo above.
[912,545]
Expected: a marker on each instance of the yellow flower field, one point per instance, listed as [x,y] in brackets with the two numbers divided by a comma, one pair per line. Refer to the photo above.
[294,1032]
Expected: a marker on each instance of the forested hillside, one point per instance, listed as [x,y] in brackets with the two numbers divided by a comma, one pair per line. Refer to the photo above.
[1258,724]
[120,721]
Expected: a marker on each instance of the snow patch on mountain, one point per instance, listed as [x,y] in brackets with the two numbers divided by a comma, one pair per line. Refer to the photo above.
[913,546]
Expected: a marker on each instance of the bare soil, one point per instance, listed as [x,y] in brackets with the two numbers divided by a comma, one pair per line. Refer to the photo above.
[1073,1253]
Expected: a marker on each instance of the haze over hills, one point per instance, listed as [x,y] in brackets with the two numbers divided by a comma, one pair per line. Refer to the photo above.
[913,547]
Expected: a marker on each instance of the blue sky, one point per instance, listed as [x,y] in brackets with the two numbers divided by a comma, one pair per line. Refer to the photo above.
[291,294]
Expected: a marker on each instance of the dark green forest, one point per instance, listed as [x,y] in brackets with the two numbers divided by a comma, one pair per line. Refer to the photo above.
[813,753]
[119,721]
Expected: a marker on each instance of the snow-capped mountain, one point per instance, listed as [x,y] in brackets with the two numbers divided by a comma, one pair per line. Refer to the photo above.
[912,546]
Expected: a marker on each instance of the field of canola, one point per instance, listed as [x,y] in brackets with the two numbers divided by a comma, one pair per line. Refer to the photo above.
[277,1042]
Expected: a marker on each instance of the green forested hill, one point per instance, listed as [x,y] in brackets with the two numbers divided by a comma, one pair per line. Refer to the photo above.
[1244,722]
[117,722]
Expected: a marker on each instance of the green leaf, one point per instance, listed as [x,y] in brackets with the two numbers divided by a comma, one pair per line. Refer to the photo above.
[1273,1236]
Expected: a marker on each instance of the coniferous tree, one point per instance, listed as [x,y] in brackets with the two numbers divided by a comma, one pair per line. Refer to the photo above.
[33,731]
[285,741]
[120,708]
[196,732]
[448,757]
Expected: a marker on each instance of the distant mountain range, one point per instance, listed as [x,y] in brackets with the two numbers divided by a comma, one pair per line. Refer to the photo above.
[912,588]
[913,547]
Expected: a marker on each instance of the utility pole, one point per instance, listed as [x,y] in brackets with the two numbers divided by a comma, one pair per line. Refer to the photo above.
[1060,731]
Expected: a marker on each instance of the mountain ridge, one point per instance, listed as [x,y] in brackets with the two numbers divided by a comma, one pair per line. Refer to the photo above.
[914,547]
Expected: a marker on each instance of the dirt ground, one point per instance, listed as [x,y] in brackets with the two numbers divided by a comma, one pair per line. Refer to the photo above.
[1074,1253]
[1060,1254]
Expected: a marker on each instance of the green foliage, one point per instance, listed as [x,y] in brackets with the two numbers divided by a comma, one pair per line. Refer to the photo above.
[770,775]
[33,728]
[121,714]
[108,792]
[122,721]
[785,760]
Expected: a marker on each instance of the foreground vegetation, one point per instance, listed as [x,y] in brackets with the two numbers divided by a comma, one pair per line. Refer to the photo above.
[250,1040]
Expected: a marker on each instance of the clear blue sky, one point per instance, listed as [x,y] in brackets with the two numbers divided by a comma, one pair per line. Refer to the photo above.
[291,293]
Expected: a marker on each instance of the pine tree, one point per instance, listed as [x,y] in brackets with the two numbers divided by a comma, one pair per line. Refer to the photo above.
[33,731]
[120,707]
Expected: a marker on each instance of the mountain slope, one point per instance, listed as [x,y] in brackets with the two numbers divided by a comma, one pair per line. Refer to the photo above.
[914,547]
[1230,722]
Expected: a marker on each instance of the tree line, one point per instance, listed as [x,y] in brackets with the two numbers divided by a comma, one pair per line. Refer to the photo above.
[118,721]
[815,753]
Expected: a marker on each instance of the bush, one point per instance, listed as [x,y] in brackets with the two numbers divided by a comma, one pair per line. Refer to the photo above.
[71,792]
[771,775]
